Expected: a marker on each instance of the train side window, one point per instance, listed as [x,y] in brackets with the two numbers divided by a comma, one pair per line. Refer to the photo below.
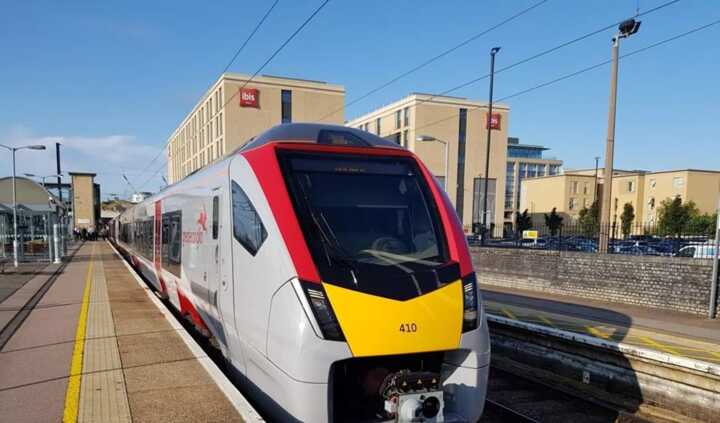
[216,216]
[248,229]
[172,241]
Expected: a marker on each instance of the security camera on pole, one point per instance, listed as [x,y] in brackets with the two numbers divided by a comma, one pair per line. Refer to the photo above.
[625,29]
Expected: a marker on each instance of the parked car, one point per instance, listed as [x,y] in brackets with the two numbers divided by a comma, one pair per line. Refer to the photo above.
[706,251]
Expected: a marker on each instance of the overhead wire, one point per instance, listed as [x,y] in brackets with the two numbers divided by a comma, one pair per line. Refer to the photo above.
[232,60]
[434,59]
[538,55]
[583,70]
[270,58]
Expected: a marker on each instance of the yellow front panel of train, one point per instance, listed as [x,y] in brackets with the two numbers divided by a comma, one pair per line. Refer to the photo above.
[380,326]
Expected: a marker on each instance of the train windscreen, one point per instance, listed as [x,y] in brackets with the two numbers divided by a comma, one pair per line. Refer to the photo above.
[371,223]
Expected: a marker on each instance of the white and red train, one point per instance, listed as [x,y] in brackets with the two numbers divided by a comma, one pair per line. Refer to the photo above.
[332,271]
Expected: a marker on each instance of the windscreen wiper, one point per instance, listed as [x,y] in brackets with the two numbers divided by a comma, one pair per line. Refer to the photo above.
[334,252]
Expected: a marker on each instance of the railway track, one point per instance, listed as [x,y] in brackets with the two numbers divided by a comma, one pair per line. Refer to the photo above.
[512,398]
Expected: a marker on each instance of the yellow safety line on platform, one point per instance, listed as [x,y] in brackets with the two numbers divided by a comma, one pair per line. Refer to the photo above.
[546,321]
[659,346]
[72,395]
[508,313]
[597,332]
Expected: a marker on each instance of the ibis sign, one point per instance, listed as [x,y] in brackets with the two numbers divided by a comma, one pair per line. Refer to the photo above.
[250,97]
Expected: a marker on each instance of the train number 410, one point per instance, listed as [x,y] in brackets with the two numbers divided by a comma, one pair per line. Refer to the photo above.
[408,327]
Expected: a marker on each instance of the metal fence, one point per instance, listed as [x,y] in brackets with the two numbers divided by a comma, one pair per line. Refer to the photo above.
[36,237]
[641,240]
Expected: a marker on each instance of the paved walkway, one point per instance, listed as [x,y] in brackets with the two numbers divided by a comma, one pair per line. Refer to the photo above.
[96,349]
[673,333]
[14,278]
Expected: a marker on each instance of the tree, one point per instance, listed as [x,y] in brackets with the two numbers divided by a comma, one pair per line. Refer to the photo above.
[626,219]
[553,221]
[523,221]
[589,220]
[674,216]
[702,224]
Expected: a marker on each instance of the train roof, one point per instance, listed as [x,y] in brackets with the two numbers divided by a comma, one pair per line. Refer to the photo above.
[318,133]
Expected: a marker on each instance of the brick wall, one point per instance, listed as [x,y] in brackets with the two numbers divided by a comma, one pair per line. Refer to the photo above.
[668,283]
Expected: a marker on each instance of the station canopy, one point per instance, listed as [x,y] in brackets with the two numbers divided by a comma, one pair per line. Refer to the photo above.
[31,197]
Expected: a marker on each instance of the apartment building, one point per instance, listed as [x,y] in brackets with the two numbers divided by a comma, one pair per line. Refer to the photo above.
[567,193]
[644,190]
[234,110]
[436,127]
[647,190]
[524,161]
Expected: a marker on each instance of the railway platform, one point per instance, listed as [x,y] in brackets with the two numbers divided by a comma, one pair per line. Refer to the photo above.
[97,346]
[671,333]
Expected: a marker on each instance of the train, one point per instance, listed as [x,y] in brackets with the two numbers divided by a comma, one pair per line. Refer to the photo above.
[330,269]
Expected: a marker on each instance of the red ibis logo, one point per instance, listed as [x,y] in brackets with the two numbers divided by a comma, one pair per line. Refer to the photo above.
[493,121]
[250,97]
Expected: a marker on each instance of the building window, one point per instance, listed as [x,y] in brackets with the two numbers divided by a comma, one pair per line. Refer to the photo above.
[397,119]
[286,107]
[405,140]
[678,182]
[585,188]
[220,125]
[572,205]
[631,186]
[574,187]
[460,190]
[554,169]
[377,126]
[651,203]
[509,185]
[220,97]
[587,203]
[406,116]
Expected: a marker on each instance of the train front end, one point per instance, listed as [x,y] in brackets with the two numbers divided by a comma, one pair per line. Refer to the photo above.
[385,279]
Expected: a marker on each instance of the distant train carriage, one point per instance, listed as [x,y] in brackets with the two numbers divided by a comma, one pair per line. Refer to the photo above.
[332,271]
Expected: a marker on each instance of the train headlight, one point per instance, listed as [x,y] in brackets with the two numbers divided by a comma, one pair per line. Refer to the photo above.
[470,303]
[323,312]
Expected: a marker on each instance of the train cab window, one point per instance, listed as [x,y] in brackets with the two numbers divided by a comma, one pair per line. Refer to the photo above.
[172,242]
[216,216]
[248,229]
[371,223]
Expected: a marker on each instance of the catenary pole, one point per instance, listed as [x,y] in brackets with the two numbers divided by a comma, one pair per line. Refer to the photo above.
[716,264]
[488,123]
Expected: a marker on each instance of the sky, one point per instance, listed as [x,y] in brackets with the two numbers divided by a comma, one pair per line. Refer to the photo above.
[111,80]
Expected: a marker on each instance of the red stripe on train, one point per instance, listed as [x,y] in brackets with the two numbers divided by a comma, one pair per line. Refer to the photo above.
[187,307]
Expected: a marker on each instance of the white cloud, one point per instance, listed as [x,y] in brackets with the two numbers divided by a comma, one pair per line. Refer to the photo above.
[109,156]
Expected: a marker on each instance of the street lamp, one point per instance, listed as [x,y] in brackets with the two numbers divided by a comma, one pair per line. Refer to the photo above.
[625,30]
[489,125]
[13,150]
[429,138]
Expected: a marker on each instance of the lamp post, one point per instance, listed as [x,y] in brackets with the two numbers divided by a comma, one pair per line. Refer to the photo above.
[429,138]
[15,240]
[488,123]
[625,29]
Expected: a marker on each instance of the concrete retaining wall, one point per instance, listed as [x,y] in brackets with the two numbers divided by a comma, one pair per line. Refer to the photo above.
[668,283]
